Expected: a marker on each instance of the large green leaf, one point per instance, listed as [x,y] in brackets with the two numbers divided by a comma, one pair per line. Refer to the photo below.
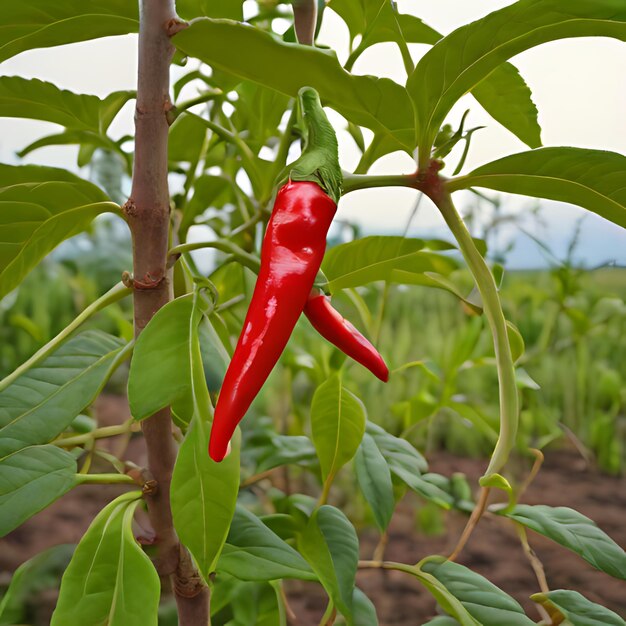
[253,552]
[592,179]
[39,208]
[204,495]
[32,24]
[250,53]
[505,95]
[576,532]
[389,258]
[38,100]
[190,9]
[337,425]
[330,544]
[467,56]
[42,402]
[109,579]
[166,340]
[30,480]
[374,477]
[577,610]
[486,603]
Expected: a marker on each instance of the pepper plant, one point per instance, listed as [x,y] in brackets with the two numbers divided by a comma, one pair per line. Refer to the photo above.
[219,529]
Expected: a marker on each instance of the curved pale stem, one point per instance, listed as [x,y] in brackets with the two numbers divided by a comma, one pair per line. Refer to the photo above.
[116,293]
[497,323]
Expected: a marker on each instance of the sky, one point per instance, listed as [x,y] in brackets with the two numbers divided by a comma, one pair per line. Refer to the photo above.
[578,86]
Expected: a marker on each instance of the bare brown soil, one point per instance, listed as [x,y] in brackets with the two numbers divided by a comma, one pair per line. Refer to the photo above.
[493,550]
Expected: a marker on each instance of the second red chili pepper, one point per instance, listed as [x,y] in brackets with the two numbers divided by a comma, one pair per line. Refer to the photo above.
[334,328]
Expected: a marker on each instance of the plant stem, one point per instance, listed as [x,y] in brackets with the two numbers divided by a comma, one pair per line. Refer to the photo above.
[477,513]
[497,323]
[114,294]
[148,215]
[98,433]
[104,479]
[354,182]
[201,99]
[245,258]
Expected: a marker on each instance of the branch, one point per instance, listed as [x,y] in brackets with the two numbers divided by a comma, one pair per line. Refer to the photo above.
[114,294]
[148,215]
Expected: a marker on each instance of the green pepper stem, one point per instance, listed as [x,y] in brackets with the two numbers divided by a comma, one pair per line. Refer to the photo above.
[319,161]
[355,182]
[116,293]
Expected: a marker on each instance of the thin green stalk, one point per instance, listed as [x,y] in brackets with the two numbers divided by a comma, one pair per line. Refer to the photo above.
[98,433]
[202,98]
[245,258]
[497,323]
[116,293]
[104,479]
[354,182]
[285,141]
[329,614]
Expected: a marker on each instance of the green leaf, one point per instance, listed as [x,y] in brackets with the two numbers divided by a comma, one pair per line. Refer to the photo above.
[42,402]
[285,449]
[41,572]
[442,620]
[374,477]
[189,9]
[109,579]
[507,98]
[253,552]
[388,258]
[573,531]
[467,56]
[208,192]
[204,495]
[503,94]
[378,21]
[166,340]
[30,480]
[186,138]
[32,24]
[39,208]
[592,179]
[423,486]
[398,452]
[363,609]
[576,609]
[516,341]
[85,138]
[330,544]
[38,100]
[252,54]
[486,603]
[337,425]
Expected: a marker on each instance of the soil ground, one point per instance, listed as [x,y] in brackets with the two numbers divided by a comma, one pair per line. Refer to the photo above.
[493,550]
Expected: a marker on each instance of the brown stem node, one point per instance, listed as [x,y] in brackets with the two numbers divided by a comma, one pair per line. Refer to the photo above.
[175,25]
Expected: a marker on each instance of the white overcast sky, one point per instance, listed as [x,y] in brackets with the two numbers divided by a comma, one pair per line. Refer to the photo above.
[578,85]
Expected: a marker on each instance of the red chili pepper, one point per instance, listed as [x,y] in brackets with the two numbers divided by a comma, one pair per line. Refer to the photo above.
[334,328]
[292,251]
